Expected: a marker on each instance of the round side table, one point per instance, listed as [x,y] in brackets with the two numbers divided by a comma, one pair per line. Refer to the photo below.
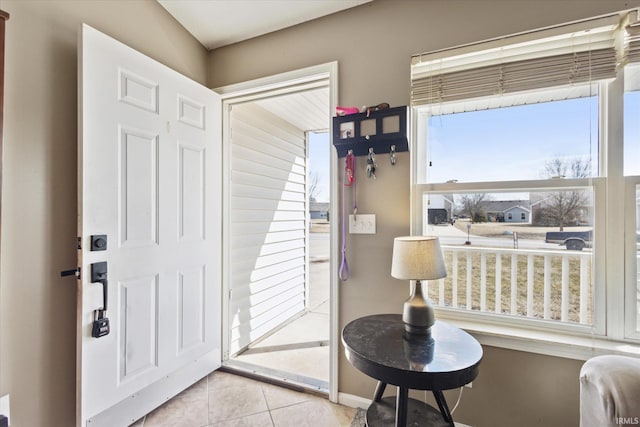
[378,346]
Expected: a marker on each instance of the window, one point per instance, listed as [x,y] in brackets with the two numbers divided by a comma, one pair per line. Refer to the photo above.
[518,148]
[632,183]
[512,142]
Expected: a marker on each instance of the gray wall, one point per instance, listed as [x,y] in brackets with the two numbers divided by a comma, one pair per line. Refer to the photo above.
[373,44]
[37,307]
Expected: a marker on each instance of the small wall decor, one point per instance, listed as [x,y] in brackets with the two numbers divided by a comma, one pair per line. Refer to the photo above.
[379,129]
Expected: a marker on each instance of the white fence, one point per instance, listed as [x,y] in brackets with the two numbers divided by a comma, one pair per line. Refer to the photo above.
[547,284]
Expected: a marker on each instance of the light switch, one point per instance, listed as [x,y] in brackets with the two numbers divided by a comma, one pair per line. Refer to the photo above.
[362,224]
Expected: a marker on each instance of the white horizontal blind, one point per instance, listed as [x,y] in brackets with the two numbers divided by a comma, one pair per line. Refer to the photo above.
[544,59]
[633,43]
[268,223]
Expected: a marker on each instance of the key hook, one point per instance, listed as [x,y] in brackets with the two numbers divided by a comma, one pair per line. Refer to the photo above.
[371,164]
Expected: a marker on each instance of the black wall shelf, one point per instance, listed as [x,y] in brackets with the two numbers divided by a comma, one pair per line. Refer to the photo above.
[379,131]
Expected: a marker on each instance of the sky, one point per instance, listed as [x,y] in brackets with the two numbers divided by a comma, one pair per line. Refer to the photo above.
[511,143]
[632,133]
[319,155]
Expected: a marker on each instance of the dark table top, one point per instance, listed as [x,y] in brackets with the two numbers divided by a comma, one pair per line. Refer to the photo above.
[378,346]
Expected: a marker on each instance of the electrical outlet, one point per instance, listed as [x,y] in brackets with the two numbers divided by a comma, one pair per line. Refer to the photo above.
[362,224]
[4,407]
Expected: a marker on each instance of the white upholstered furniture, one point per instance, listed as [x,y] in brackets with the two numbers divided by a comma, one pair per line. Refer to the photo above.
[610,391]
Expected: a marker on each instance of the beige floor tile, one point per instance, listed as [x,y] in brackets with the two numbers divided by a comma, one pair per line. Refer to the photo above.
[279,397]
[262,419]
[236,401]
[219,380]
[313,413]
[343,414]
[188,409]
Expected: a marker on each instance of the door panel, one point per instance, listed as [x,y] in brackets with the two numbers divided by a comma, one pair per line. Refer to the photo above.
[138,188]
[149,160]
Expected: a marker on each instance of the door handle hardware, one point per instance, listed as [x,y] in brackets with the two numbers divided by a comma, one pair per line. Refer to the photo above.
[100,321]
[100,326]
[74,272]
[99,242]
[99,275]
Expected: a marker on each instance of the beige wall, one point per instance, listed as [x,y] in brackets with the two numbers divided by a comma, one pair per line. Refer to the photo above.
[373,44]
[37,307]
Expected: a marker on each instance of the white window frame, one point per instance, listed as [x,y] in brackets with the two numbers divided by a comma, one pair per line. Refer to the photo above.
[631,271]
[614,204]
[631,304]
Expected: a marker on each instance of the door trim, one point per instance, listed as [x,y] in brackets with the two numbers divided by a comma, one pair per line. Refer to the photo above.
[281,84]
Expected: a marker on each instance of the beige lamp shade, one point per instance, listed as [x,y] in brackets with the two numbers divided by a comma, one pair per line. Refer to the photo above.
[417,258]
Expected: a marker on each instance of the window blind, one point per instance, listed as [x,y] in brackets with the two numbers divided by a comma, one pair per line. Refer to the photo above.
[562,56]
[633,43]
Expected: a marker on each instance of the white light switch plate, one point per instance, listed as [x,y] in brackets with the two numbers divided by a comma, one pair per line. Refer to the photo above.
[4,407]
[362,224]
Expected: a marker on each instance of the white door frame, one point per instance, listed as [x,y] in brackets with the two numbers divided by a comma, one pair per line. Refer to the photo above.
[284,82]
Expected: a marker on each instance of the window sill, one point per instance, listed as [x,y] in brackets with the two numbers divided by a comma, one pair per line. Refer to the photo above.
[550,343]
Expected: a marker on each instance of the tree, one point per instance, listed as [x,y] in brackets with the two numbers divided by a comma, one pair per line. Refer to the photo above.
[472,206]
[313,188]
[563,207]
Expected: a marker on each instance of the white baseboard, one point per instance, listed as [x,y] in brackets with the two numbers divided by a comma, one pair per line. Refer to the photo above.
[353,401]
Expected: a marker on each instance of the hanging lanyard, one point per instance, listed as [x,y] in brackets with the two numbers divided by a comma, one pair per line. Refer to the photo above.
[348,180]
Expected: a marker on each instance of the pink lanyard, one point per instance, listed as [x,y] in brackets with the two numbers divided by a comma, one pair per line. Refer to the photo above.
[349,180]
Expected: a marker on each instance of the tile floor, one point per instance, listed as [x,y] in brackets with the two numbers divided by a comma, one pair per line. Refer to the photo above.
[226,400]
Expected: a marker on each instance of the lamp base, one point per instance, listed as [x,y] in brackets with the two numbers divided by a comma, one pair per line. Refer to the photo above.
[410,330]
[417,314]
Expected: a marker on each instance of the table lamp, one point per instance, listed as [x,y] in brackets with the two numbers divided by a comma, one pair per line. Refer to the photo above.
[417,258]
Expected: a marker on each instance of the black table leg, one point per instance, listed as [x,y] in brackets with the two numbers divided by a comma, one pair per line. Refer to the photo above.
[444,408]
[379,391]
[402,402]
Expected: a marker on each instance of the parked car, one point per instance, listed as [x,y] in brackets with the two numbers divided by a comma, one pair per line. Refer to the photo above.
[572,240]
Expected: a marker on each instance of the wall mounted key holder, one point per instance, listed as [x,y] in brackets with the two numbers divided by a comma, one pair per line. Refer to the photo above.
[379,130]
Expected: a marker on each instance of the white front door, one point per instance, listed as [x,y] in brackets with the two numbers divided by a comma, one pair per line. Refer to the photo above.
[149,161]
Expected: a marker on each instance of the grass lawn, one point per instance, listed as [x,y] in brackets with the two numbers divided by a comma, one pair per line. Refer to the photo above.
[500,230]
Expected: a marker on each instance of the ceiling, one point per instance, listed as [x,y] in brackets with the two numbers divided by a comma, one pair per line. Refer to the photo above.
[307,110]
[217,23]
